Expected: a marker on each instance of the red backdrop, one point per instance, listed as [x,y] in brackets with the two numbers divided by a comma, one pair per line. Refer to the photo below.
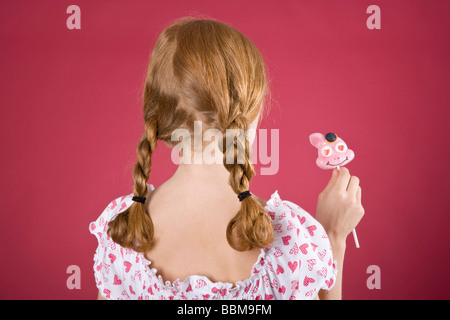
[70,120]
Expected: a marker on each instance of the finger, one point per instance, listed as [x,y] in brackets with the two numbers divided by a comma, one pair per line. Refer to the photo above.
[342,179]
[353,185]
[332,181]
[358,194]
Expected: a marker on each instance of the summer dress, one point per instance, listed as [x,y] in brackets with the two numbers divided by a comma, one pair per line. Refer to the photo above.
[295,266]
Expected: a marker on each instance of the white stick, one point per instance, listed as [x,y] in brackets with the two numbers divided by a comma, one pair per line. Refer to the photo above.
[355,237]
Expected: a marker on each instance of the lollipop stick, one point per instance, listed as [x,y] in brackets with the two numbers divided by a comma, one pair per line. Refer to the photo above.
[355,237]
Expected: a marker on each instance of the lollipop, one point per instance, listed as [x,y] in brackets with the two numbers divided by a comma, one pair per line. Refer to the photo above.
[332,153]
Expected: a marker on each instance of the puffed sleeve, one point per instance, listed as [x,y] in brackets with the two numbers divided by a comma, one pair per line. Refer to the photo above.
[108,270]
[305,248]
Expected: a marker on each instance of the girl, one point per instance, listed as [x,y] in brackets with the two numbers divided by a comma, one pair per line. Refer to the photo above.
[202,234]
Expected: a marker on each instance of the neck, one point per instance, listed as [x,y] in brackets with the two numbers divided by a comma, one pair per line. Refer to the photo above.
[210,175]
[202,181]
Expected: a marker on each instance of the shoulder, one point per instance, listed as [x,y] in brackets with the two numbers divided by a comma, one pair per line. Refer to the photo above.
[113,208]
[99,227]
[301,248]
[117,270]
[287,212]
[289,219]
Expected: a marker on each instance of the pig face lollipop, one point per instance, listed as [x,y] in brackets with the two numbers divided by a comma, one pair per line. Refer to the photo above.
[333,152]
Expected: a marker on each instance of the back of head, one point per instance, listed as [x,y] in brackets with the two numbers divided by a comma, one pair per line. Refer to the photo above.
[200,70]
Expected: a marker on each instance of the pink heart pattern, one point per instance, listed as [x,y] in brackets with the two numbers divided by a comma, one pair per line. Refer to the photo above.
[286,240]
[280,269]
[200,283]
[127,265]
[304,247]
[308,280]
[311,230]
[295,266]
[112,257]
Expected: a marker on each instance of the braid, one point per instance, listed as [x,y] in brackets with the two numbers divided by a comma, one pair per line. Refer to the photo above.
[141,170]
[250,227]
[133,228]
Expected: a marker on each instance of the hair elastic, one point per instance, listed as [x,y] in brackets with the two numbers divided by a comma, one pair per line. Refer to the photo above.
[139,199]
[244,195]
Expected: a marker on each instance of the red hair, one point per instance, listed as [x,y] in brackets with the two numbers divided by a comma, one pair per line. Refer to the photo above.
[200,69]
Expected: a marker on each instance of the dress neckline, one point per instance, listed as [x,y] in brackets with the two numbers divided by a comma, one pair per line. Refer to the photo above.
[190,279]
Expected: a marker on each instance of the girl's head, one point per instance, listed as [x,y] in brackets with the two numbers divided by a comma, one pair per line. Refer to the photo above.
[201,70]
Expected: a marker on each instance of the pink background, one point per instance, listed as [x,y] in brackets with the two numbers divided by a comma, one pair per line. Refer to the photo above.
[70,120]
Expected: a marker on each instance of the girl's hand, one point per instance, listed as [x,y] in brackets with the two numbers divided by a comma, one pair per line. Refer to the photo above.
[339,208]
